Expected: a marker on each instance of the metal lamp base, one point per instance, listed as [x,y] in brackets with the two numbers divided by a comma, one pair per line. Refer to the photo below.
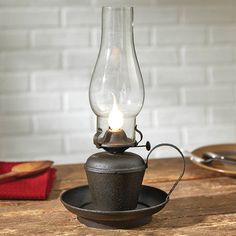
[128,224]
[78,201]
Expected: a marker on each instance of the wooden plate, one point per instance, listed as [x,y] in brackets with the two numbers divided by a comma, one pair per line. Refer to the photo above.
[218,166]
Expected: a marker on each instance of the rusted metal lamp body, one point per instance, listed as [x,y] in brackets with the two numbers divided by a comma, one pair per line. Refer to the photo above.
[115,180]
[115,177]
[110,199]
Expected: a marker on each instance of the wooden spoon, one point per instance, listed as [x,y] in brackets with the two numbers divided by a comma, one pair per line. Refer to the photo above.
[26,169]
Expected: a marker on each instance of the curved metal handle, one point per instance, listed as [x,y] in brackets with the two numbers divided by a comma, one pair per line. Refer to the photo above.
[140,133]
[183,158]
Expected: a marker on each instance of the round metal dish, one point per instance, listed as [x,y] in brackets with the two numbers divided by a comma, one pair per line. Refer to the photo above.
[216,165]
[78,201]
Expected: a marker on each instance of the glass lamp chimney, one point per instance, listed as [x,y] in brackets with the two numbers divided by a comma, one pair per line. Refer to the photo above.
[116,89]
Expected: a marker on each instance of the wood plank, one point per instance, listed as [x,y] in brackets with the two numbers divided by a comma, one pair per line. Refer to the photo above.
[222,225]
[162,170]
[180,215]
[203,203]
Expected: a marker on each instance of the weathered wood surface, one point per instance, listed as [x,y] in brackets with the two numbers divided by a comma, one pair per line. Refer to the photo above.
[204,203]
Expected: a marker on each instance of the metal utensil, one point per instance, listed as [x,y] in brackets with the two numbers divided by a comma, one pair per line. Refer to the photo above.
[210,156]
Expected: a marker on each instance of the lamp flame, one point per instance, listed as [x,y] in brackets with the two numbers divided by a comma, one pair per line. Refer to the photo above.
[115,119]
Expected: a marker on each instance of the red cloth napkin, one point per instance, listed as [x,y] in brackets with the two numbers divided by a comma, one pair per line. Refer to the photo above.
[35,187]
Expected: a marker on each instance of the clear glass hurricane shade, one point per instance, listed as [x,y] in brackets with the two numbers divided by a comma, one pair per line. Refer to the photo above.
[116,88]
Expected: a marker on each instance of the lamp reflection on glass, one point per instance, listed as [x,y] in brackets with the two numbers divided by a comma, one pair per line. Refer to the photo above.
[116,89]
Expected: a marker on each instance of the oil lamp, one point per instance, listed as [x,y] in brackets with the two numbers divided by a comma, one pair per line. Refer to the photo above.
[116,96]
[115,196]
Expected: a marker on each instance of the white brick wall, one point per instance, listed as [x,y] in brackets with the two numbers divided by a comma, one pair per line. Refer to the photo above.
[12,82]
[30,60]
[206,55]
[8,39]
[74,59]
[187,54]
[153,57]
[60,80]
[15,125]
[30,103]
[179,35]
[209,14]
[209,95]
[180,76]
[58,38]
[28,17]
[30,145]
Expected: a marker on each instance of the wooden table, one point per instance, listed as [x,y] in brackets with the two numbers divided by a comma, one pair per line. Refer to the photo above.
[204,203]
